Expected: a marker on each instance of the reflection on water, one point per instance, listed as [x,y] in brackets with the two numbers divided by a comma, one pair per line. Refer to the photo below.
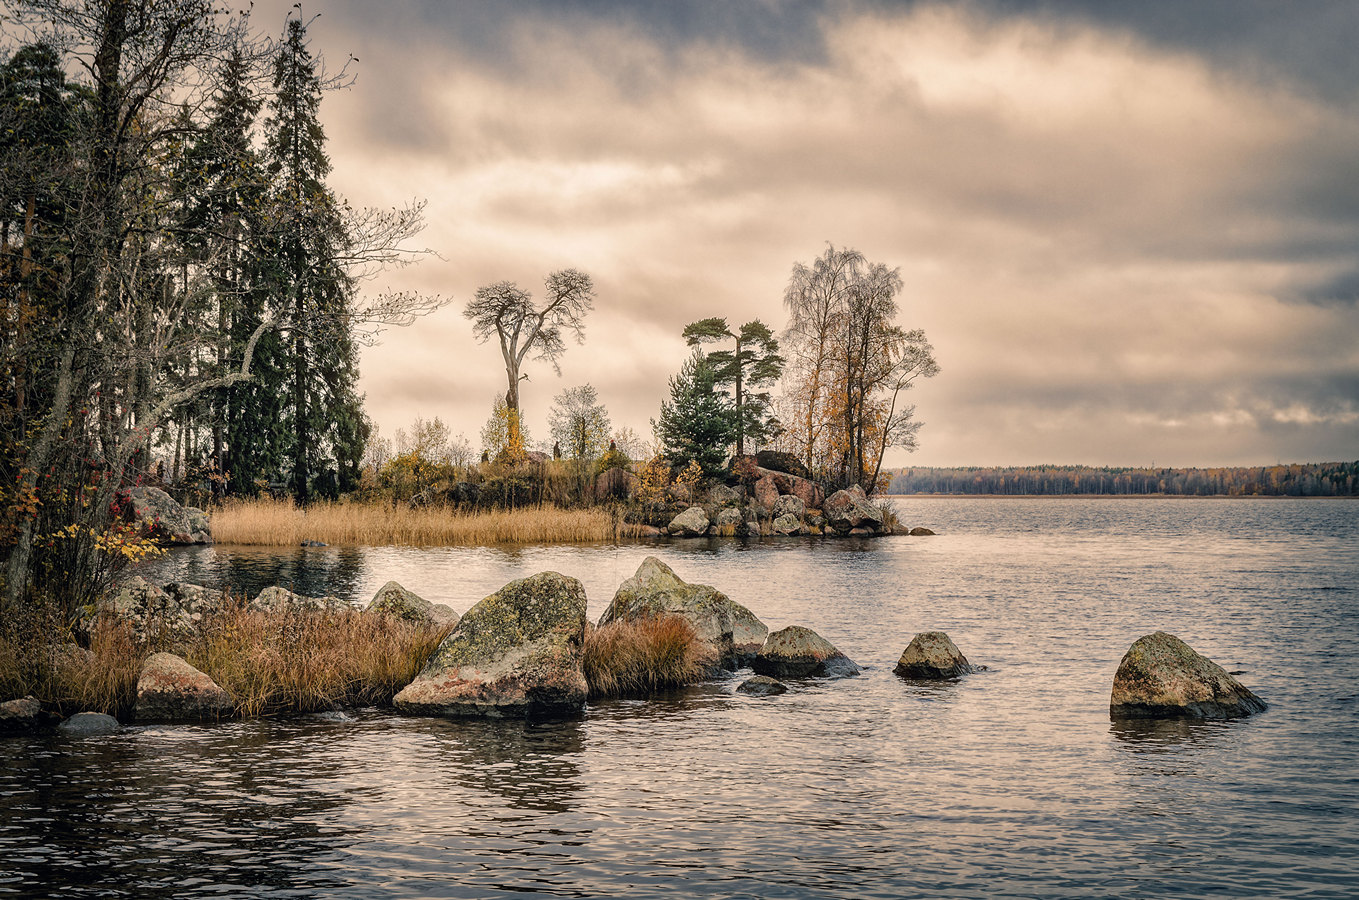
[1011,782]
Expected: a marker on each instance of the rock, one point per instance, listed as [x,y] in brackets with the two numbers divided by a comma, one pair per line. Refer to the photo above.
[655,590]
[849,509]
[195,599]
[788,505]
[615,482]
[751,516]
[649,531]
[931,655]
[394,600]
[782,462]
[762,686]
[277,599]
[797,652]
[159,616]
[331,717]
[720,495]
[786,525]
[160,517]
[1162,677]
[690,523]
[729,521]
[24,714]
[89,723]
[766,491]
[516,653]
[313,544]
[920,532]
[171,690]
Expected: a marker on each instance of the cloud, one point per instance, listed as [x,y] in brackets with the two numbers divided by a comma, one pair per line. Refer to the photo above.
[1122,248]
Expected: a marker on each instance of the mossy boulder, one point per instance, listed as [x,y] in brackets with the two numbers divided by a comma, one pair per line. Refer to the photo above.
[161,518]
[171,690]
[655,590]
[690,523]
[932,656]
[279,599]
[1163,677]
[515,653]
[393,600]
[762,686]
[23,714]
[798,652]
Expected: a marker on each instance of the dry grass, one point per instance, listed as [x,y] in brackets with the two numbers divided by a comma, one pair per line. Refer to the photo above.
[279,523]
[630,658]
[66,678]
[300,661]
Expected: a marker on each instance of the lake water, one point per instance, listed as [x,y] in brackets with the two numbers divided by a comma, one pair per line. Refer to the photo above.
[1008,783]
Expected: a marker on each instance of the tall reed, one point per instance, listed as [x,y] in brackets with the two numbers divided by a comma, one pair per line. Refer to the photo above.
[280,523]
[638,657]
[41,662]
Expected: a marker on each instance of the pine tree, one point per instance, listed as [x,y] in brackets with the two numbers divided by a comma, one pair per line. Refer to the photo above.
[753,364]
[324,412]
[695,423]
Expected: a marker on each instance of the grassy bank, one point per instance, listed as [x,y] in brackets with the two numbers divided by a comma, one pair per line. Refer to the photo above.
[279,523]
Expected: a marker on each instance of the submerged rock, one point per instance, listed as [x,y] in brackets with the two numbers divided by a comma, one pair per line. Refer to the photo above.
[171,690]
[516,653]
[762,686]
[393,600]
[89,723]
[693,522]
[920,531]
[796,652]
[1163,677]
[655,590]
[932,655]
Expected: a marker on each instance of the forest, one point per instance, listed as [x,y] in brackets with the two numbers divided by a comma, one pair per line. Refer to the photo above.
[1338,479]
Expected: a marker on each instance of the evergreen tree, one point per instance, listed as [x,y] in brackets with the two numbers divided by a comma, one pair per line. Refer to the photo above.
[695,423]
[754,364]
[323,412]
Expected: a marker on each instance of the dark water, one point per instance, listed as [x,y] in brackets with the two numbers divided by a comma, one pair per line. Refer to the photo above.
[1009,783]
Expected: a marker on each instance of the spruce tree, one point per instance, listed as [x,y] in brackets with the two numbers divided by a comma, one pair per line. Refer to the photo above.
[695,423]
[311,286]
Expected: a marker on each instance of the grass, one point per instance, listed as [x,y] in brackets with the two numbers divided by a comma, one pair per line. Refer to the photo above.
[630,658]
[279,523]
[270,662]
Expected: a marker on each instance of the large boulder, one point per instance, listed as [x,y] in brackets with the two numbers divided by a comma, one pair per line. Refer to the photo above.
[1163,677]
[797,652]
[729,521]
[393,600]
[766,491]
[690,523]
[782,462]
[159,616]
[655,590]
[932,655]
[171,690]
[849,509]
[789,505]
[786,524]
[278,599]
[159,516]
[516,653]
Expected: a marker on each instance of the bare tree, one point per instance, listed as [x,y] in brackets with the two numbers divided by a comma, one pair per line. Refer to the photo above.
[505,311]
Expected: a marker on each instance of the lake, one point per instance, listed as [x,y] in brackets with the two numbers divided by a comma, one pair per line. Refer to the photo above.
[1011,782]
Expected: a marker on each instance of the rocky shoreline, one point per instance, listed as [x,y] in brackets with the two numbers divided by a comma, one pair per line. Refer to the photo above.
[519,653]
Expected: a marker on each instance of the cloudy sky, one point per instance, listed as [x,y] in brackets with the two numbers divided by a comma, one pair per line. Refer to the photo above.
[1131,231]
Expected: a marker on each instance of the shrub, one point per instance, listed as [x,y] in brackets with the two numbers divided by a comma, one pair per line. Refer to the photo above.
[638,657]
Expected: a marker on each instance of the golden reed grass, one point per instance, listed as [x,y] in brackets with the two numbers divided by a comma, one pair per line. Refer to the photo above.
[279,523]
[66,678]
[624,659]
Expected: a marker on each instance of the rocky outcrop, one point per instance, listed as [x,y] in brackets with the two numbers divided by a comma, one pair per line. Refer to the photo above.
[789,505]
[278,599]
[849,509]
[24,714]
[690,523]
[766,491]
[160,616]
[1163,677]
[655,590]
[762,686]
[393,600]
[516,653]
[159,516]
[786,525]
[84,723]
[729,521]
[932,655]
[797,652]
[786,463]
[171,690]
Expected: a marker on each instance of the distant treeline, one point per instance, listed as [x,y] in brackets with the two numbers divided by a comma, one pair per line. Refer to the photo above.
[1336,479]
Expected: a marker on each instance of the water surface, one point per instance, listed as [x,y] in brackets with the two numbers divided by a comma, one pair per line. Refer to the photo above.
[1008,783]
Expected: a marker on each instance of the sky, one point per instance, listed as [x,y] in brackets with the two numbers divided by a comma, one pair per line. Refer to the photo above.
[1129,230]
